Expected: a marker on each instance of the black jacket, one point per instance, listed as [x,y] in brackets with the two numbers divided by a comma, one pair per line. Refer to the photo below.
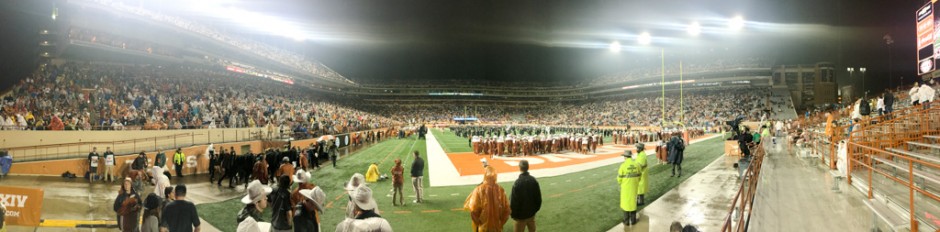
[417,167]
[889,100]
[305,221]
[248,211]
[526,197]
[675,149]
[280,206]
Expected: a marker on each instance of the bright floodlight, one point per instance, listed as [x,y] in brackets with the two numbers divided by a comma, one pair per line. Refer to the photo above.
[645,38]
[736,23]
[694,29]
[614,46]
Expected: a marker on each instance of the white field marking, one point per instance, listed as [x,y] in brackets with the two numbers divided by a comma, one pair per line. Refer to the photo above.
[512,161]
[554,158]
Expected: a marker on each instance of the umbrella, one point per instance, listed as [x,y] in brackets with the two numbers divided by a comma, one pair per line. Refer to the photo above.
[325,137]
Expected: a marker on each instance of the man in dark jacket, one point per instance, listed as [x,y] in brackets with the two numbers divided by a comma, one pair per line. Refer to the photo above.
[417,171]
[525,199]
[228,168]
[675,149]
[282,210]
[889,102]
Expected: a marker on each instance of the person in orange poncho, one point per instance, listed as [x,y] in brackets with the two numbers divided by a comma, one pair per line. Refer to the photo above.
[829,126]
[488,205]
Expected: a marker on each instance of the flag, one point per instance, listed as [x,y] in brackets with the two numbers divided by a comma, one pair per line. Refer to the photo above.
[888,39]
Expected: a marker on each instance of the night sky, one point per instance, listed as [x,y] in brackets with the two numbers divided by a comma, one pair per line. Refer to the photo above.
[545,40]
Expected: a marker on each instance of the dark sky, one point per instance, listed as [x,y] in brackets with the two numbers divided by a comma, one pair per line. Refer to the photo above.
[549,40]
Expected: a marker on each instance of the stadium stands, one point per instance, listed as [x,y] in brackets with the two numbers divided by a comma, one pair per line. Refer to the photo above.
[105,97]
[271,52]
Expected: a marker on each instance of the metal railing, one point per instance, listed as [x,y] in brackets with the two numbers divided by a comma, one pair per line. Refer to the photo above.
[867,148]
[739,214]
[184,138]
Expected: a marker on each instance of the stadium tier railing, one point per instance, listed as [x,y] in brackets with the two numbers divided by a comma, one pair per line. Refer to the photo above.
[132,146]
[742,205]
[877,148]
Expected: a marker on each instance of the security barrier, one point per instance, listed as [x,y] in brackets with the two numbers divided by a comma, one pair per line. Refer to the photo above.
[739,216]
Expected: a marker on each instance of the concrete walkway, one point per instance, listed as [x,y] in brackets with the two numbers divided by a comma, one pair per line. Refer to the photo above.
[76,199]
[702,200]
[795,194]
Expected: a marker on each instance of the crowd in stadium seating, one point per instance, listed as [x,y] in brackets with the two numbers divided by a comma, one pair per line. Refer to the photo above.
[271,52]
[657,70]
[111,40]
[701,109]
[102,97]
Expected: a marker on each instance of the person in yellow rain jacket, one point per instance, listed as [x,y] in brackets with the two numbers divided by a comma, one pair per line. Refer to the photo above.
[644,183]
[628,177]
[488,204]
[372,175]
[178,159]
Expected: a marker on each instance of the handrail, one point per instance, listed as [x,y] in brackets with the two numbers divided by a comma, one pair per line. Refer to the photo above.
[858,151]
[868,145]
[132,146]
[93,142]
[743,201]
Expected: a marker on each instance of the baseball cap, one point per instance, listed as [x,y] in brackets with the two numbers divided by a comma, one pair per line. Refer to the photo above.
[256,191]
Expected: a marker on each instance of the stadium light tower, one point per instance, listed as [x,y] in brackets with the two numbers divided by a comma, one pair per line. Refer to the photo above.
[614,47]
[736,23]
[694,29]
[862,69]
[645,38]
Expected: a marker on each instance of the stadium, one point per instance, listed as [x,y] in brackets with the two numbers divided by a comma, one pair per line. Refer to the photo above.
[235,115]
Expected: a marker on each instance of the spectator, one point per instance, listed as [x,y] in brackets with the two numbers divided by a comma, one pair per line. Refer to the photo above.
[307,215]
[397,171]
[489,209]
[889,101]
[526,199]
[302,178]
[354,183]
[93,164]
[286,169]
[161,183]
[281,208]
[180,215]
[927,94]
[255,202]
[151,217]
[333,153]
[109,164]
[3,215]
[677,227]
[228,169]
[417,172]
[676,148]
[213,162]
[159,164]
[127,206]
[366,217]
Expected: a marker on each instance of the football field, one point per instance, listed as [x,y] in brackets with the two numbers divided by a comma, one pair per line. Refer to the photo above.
[581,201]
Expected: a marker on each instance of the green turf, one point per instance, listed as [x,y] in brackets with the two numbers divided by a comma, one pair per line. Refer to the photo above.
[582,201]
